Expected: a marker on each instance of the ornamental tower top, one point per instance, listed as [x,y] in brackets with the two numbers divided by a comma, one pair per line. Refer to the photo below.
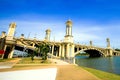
[68,36]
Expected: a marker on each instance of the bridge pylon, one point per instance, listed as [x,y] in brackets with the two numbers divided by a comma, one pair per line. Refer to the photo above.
[10,42]
[68,46]
[47,36]
[109,51]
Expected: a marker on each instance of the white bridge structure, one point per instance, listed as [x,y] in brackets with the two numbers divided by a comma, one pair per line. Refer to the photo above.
[65,49]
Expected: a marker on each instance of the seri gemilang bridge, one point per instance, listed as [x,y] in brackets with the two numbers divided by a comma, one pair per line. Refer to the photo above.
[63,49]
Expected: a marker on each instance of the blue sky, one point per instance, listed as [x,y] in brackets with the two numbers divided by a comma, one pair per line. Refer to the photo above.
[93,20]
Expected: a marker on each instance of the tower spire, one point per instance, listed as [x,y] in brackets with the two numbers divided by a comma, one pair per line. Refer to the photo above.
[69,28]
[11,31]
[68,35]
[108,42]
[47,36]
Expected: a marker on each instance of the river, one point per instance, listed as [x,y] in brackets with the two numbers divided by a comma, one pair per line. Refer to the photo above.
[108,64]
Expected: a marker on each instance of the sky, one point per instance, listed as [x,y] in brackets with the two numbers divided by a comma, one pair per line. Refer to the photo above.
[93,20]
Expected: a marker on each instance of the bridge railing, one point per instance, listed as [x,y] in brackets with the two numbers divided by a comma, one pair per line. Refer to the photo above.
[87,45]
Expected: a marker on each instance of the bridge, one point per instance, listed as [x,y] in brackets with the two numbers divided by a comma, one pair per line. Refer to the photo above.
[63,49]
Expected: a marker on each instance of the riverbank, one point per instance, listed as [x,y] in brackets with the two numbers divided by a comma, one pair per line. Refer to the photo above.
[103,75]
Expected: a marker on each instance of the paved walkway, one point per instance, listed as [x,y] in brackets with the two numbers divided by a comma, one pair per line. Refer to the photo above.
[68,71]
[8,64]
[36,74]
[59,62]
[59,71]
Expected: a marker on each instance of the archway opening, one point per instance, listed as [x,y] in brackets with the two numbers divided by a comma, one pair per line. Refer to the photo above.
[93,53]
[89,53]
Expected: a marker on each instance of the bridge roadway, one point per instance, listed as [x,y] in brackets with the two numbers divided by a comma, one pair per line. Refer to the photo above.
[58,49]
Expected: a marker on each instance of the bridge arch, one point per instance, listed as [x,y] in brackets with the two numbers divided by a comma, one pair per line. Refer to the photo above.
[93,52]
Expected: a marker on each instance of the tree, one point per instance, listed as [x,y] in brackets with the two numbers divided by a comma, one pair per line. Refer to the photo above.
[117,49]
[43,49]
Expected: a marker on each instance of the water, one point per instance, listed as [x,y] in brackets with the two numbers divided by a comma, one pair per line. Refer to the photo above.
[108,64]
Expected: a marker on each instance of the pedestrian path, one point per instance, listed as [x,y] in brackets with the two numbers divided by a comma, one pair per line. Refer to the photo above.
[59,62]
[8,64]
[36,74]
[59,70]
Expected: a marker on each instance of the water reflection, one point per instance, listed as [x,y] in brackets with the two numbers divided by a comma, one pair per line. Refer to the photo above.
[109,64]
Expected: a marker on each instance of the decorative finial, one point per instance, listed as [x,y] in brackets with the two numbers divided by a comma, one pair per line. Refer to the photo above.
[69,22]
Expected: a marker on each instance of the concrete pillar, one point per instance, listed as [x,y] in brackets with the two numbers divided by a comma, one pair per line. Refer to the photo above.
[66,30]
[63,50]
[33,45]
[73,50]
[59,50]
[68,50]
[77,48]
[52,49]
[70,30]
[110,52]
[4,50]
[11,53]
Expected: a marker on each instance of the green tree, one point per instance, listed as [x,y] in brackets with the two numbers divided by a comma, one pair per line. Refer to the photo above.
[43,49]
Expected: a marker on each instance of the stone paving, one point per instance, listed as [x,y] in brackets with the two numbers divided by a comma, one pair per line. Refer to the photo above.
[36,74]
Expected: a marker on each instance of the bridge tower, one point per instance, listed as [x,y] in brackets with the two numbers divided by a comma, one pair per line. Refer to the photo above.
[11,31]
[9,47]
[109,51]
[91,43]
[68,36]
[47,36]
[68,45]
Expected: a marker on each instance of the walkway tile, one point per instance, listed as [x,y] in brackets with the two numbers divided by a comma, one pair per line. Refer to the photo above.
[37,74]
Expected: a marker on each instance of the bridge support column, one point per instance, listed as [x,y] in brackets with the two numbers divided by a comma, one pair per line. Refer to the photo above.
[52,49]
[4,50]
[63,51]
[33,44]
[68,51]
[72,52]
[10,42]
[109,52]
[11,53]
[78,48]
[59,50]
[9,50]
